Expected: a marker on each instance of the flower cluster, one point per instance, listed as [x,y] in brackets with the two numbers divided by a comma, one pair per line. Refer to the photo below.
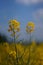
[30,27]
[14,25]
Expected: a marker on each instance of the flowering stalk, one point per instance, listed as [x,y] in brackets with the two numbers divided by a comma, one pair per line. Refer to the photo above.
[29,29]
[14,26]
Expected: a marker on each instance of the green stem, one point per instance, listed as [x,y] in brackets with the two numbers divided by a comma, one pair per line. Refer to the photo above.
[28,63]
[16,55]
[30,37]
[14,38]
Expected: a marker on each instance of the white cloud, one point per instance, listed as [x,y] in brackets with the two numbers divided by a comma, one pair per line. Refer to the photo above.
[38,18]
[29,1]
[38,14]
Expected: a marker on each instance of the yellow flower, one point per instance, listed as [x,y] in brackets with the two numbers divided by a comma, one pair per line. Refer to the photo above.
[31,24]
[30,27]
[14,24]
[13,53]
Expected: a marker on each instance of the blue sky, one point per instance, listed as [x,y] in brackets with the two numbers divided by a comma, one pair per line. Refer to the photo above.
[23,11]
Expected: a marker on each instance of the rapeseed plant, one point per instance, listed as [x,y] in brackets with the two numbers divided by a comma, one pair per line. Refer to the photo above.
[14,27]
